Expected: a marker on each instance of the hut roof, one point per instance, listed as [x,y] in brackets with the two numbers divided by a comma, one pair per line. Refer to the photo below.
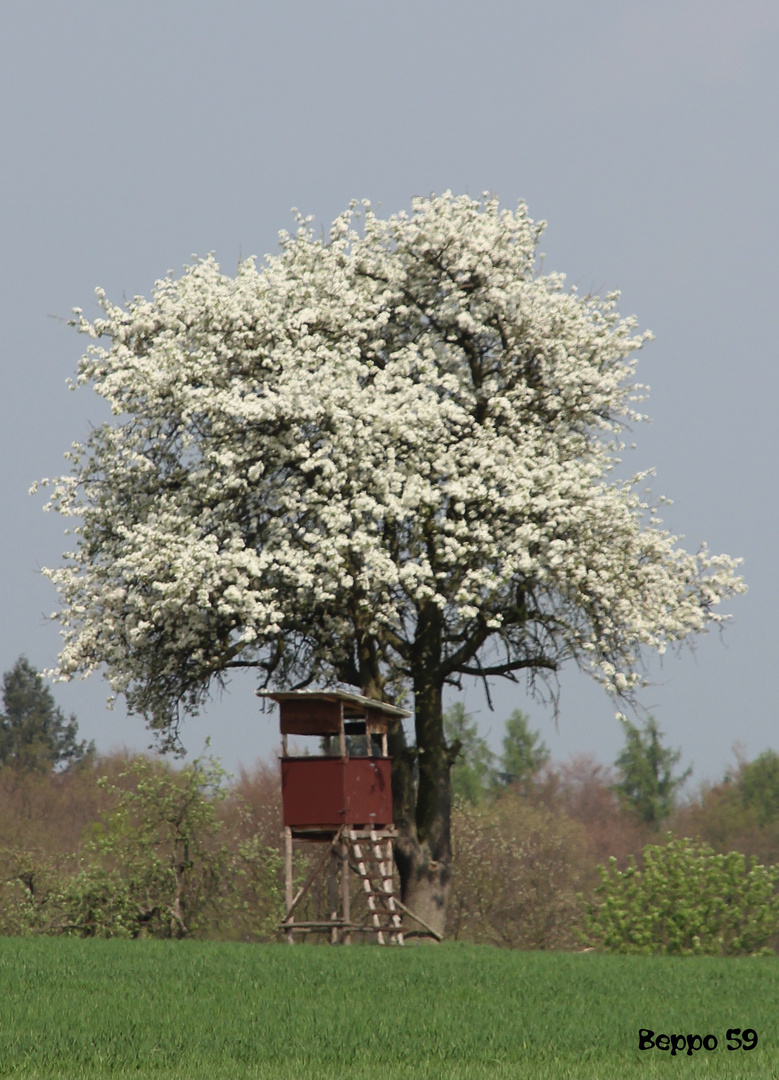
[354,705]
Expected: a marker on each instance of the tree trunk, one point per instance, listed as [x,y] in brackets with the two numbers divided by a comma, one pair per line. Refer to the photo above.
[421,789]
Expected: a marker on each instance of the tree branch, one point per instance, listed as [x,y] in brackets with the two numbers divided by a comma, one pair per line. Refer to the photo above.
[513,665]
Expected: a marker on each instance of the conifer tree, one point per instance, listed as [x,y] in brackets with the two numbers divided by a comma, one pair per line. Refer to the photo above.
[523,754]
[34,734]
[473,770]
[645,768]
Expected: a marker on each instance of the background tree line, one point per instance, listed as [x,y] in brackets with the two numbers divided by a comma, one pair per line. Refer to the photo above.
[126,845]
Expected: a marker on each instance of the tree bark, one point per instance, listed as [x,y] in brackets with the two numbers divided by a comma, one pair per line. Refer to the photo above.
[421,788]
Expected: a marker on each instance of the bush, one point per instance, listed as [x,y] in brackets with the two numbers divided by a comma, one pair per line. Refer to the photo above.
[27,879]
[516,871]
[686,900]
[162,861]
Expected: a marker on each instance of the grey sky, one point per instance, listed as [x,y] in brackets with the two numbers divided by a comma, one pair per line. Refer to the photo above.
[136,134]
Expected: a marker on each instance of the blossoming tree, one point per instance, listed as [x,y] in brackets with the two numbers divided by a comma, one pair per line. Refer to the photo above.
[385,458]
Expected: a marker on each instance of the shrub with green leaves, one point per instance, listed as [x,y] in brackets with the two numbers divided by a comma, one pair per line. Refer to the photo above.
[161,862]
[686,900]
[162,839]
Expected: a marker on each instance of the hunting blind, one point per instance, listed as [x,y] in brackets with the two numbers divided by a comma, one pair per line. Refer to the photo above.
[340,797]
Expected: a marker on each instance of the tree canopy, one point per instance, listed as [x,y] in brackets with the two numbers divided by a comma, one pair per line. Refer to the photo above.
[646,777]
[473,771]
[383,458]
[34,733]
[758,786]
[523,754]
[476,770]
[380,429]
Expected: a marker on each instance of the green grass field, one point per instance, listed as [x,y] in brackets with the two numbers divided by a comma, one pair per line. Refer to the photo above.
[201,1010]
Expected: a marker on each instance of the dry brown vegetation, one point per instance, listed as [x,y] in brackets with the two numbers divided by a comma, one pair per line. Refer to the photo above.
[522,857]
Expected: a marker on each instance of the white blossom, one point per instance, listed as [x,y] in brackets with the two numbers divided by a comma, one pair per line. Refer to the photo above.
[311,457]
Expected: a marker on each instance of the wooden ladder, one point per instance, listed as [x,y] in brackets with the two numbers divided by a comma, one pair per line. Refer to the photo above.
[375,871]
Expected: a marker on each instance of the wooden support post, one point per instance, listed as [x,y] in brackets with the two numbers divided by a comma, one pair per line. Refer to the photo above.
[294,901]
[346,895]
[288,876]
[416,918]
[342,733]
[332,895]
